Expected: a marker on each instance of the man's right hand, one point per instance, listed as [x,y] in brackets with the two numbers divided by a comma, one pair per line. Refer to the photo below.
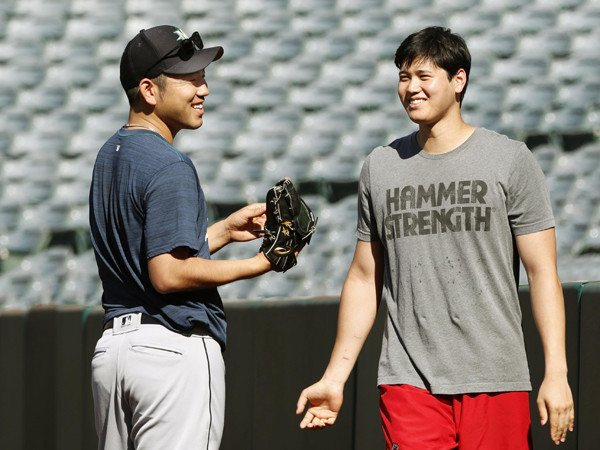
[325,400]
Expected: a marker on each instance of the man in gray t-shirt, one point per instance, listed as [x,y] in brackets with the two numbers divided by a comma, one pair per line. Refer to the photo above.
[444,215]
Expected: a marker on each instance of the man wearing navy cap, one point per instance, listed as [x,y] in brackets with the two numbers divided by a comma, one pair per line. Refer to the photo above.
[157,371]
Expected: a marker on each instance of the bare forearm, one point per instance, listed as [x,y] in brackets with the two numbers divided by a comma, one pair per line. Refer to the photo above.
[191,273]
[555,401]
[357,313]
[547,303]
[217,236]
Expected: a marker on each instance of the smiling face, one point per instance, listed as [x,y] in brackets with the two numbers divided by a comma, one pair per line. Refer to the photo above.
[180,104]
[428,94]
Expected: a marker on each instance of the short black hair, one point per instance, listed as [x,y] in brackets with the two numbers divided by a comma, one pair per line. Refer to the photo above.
[133,93]
[439,45]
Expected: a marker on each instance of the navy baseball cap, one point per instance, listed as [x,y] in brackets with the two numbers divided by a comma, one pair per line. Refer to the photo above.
[164,49]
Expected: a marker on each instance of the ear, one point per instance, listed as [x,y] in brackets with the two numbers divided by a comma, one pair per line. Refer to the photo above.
[149,91]
[460,80]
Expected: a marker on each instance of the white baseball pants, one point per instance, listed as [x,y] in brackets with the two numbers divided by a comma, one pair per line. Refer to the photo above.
[155,389]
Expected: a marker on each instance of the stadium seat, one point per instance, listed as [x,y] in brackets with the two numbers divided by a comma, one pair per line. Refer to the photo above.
[319,96]
[96,97]
[65,119]
[37,143]
[550,43]
[577,210]
[385,72]
[300,71]
[246,167]
[242,71]
[312,143]
[15,287]
[80,288]
[485,95]
[547,156]
[523,120]
[318,23]
[370,96]
[531,94]
[26,241]
[8,95]
[529,19]
[334,120]
[71,193]
[488,118]
[474,21]
[563,4]
[586,44]
[284,118]
[362,141]
[382,46]
[265,25]
[78,218]
[566,119]
[305,7]
[348,7]
[567,236]
[261,96]
[367,23]
[337,167]
[27,73]
[256,7]
[451,6]
[85,142]
[519,69]
[506,5]
[192,8]
[45,20]
[390,120]
[495,42]
[206,147]
[418,18]
[589,244]
[330,46]
[212,26]
[396,7]
[220,193]
[349,70]
[306,88]
[585,94]
[583,19]
[75,72]
[10,214]
[265,144]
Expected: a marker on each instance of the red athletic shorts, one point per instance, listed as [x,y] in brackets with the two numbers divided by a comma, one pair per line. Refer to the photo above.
[415,419]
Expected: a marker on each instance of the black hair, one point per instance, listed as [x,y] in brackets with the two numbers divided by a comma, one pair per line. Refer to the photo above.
[133,94]
[439,45]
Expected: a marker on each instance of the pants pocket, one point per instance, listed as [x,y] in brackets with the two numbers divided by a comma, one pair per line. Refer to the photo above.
[157,351]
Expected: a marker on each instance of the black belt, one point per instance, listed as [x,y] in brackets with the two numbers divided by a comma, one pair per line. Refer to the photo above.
[145,320]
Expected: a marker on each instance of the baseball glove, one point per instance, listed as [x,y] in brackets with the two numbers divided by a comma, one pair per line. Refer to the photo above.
[289,225]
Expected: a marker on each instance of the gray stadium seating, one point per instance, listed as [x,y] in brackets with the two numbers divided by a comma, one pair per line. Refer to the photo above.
[306,88]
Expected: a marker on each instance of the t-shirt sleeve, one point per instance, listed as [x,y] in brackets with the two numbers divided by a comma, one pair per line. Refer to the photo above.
[528,200]
[172,210]
[366,229]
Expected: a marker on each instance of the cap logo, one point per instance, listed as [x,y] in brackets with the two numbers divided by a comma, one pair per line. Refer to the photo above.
[181,36]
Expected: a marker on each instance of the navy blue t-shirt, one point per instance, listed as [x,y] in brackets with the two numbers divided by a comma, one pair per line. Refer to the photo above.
[146,200]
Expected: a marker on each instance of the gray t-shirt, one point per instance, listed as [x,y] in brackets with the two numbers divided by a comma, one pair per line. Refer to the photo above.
[447,224]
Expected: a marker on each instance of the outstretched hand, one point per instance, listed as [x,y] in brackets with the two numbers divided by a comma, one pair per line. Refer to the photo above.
[242,224]
[325,400]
